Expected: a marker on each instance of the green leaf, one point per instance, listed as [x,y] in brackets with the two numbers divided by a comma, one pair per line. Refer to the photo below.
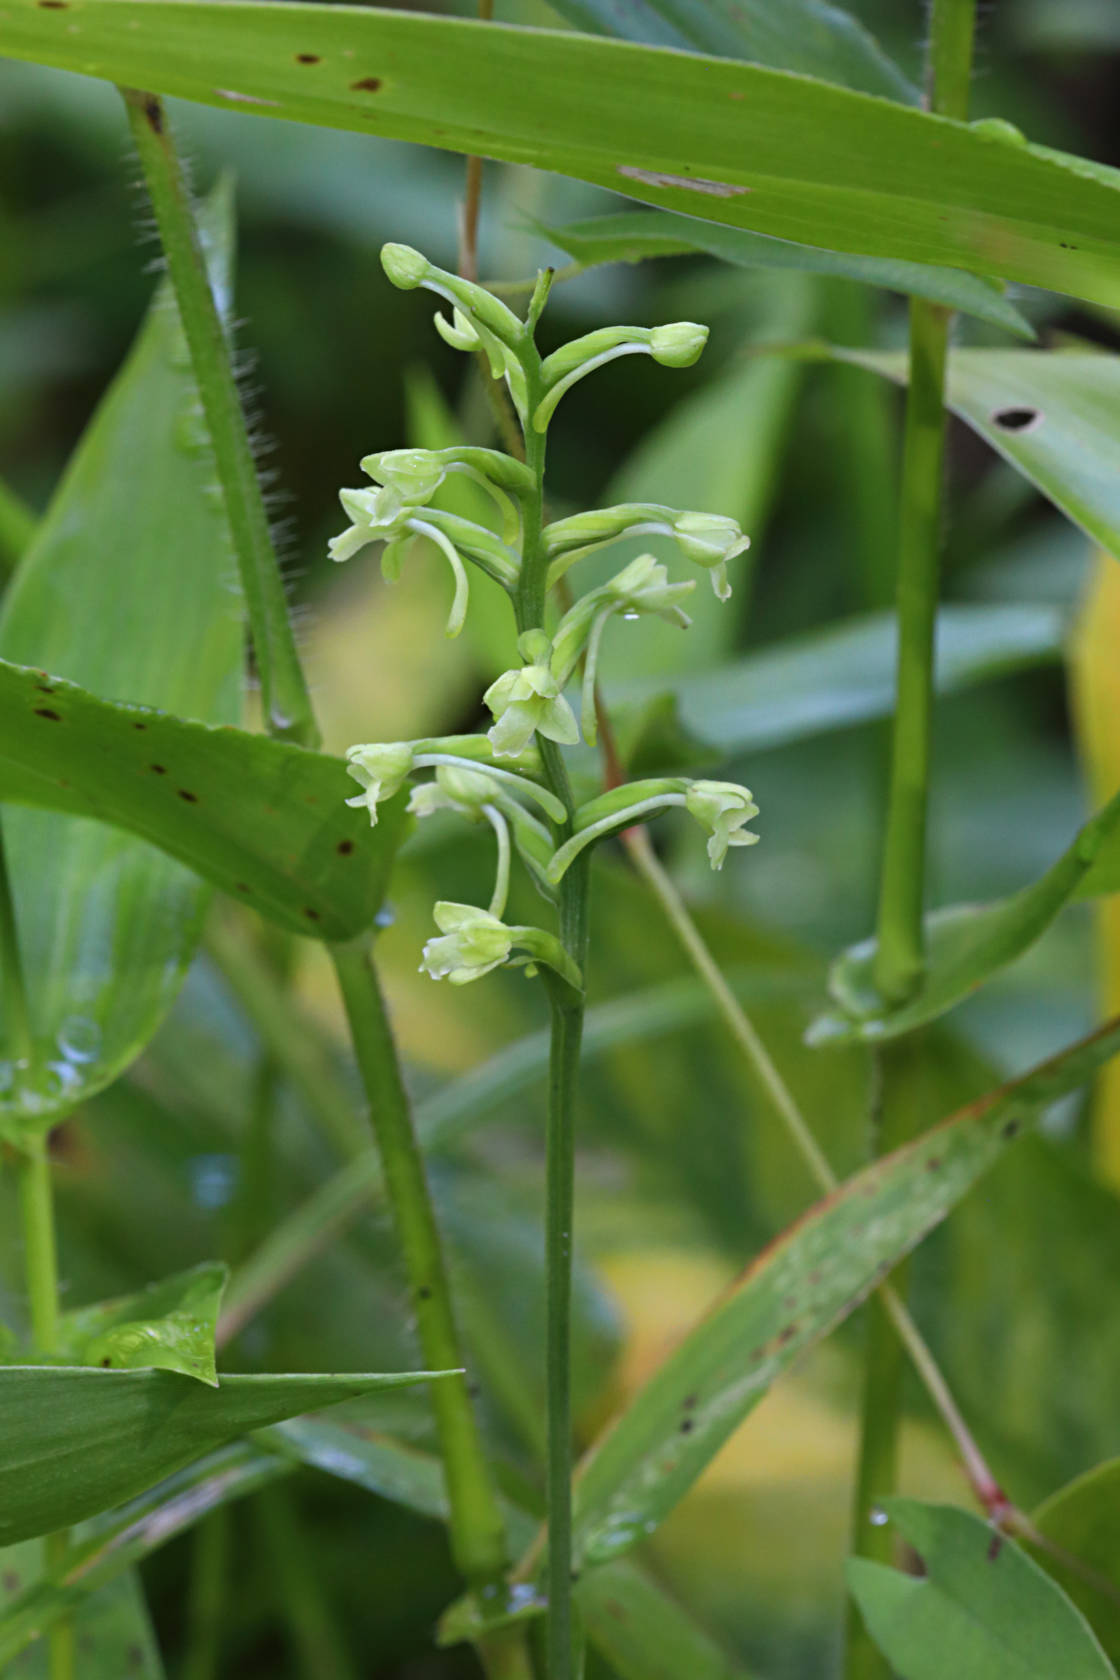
[628,1616]
[77,1441]
[1083,1521]
[781,154]
[659,233]
[966,944]
[1053,414]
[111,1627]
[168,1326]
[264,820]
[797,1290]
[845,674]
[115,1542]
[980,1611]
[124,588]
[808,36]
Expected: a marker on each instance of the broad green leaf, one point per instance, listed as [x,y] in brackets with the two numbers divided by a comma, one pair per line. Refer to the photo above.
[966,944]
[981,1610]
[845,674]
[781,154]
[795,1292]
[77,1441]
[125,588]
[108,1548]
[809,36]
[630,1618]
[1053,414]
[111,1627]
[169,1326]
[658,233]
[1083,1521]
[264,820]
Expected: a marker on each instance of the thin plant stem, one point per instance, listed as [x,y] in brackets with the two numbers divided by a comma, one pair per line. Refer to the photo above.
[785,1105]
[36,1201]
[564,1053]
[477,1530]
[17,527]
[318,1643]
[900,951]
[211,1557]
[289,1037]
[285,700]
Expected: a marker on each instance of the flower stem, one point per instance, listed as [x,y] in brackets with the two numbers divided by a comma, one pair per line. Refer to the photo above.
[36,1201]
[645,860]
[477,1531]
[901,955]
[564,1053]
[285,700]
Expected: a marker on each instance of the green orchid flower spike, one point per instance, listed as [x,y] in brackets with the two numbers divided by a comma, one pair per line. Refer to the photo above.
[516,779]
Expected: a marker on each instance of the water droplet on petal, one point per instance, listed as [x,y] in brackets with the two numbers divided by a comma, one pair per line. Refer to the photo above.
[79,1038]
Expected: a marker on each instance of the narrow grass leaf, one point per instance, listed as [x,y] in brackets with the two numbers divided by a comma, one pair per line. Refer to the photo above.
[966,944]
[1083,1521]
[637,235]
[831,679]
[78,1441]
[797,1290]
[108,1548]
[981,1609]
[125,587]
[808,36]
[169,1326]
[777,153]
[264,820]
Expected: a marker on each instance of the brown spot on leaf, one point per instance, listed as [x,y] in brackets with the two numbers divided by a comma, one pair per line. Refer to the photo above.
[191,798]
[1017,419]
[153,114]
[1010,1130]
[308,58]
[787,1334]
[344,848]
[312,915]
[45,712]
[139,726]
[368,84]
[243,886]
[158,769]
[11,1581]
[687,1425]
[933,1164]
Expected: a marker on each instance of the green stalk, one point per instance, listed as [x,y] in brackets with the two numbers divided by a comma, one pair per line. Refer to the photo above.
[564,1052]
[40,1254]
[17,527]
[290,1039]
[477,1531]
[318,1642]
[284,697]
[758,1058]
[901,955]
[211,1557]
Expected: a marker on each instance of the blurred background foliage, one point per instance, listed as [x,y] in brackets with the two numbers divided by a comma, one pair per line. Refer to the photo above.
[684,1172]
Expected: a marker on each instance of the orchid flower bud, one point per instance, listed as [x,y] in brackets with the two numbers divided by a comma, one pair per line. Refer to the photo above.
[723,808]
[678,344]
[458,332]
[381,770]
[529,701]
[675,345]
[407,269]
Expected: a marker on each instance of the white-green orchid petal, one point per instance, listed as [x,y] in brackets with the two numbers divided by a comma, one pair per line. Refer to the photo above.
[380,769]
[723,809]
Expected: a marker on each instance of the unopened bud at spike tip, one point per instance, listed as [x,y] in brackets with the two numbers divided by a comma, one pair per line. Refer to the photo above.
[403,266]
[678,344]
